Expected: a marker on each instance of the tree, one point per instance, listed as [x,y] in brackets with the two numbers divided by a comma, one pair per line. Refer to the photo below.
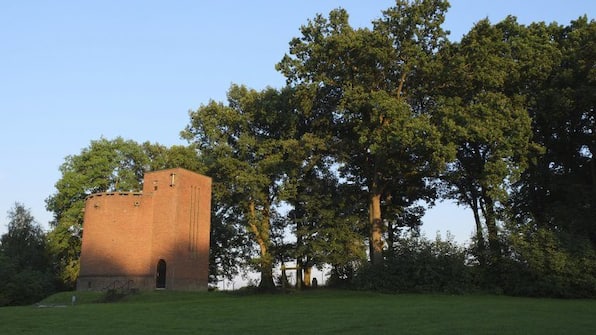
[382,140]
[487,119]
[558,191]
[25,271]
[550,229]
[247,148]
[328,221]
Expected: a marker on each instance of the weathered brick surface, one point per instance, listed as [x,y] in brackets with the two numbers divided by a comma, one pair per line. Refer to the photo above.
[126,234]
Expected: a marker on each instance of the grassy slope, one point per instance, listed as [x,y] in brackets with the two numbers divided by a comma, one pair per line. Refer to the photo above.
[315,312]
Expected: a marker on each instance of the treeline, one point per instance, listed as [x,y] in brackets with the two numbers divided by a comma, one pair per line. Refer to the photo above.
[333,168]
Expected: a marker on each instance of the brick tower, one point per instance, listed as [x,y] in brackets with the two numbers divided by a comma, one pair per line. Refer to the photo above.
[157,238]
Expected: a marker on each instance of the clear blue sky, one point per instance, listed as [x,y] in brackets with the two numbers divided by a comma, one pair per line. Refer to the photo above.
[73,71]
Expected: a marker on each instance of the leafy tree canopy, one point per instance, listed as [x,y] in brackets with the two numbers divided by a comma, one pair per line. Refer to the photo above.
[25,268]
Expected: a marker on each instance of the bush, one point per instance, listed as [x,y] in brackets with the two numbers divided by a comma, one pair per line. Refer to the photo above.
[419,265]
[25,287]
[542,263]
[341,276]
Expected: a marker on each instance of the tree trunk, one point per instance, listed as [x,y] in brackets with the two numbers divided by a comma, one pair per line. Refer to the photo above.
[491,227]
[266,276]
[479,235]
[390,236]
[307,276]
[260,229]
[299,267]
[402,80]
[593,172]
[299,258]
[376,238]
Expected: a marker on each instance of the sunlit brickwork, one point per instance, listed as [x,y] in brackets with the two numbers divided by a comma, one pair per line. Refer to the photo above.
[126,235]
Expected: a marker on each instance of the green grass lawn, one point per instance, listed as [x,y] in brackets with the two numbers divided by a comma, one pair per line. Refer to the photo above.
[313,312]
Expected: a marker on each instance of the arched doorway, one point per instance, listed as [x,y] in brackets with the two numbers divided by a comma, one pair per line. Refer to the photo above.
[160,277]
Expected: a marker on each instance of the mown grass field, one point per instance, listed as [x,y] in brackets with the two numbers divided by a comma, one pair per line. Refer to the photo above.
[313,312]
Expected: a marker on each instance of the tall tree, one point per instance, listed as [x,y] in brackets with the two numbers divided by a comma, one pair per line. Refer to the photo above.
[328,220]
[246,147]
[382,141]
[25,269]
[558,190]
[486,117]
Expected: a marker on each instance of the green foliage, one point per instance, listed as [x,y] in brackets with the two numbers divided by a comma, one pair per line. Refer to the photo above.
[558,190]
[416,33]
[383,140]
[25,268]
[544,263]
[248,148]
[551,226]
[417,264]
[483,111]
[24,241]
[327,221]
[230,244]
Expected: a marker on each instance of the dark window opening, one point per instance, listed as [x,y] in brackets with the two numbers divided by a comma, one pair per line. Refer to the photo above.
[160,277]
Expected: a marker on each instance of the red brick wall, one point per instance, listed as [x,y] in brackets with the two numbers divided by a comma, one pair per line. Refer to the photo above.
[126,234]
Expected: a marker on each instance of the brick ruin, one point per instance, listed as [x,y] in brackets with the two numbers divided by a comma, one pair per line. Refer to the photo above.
[157,238]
